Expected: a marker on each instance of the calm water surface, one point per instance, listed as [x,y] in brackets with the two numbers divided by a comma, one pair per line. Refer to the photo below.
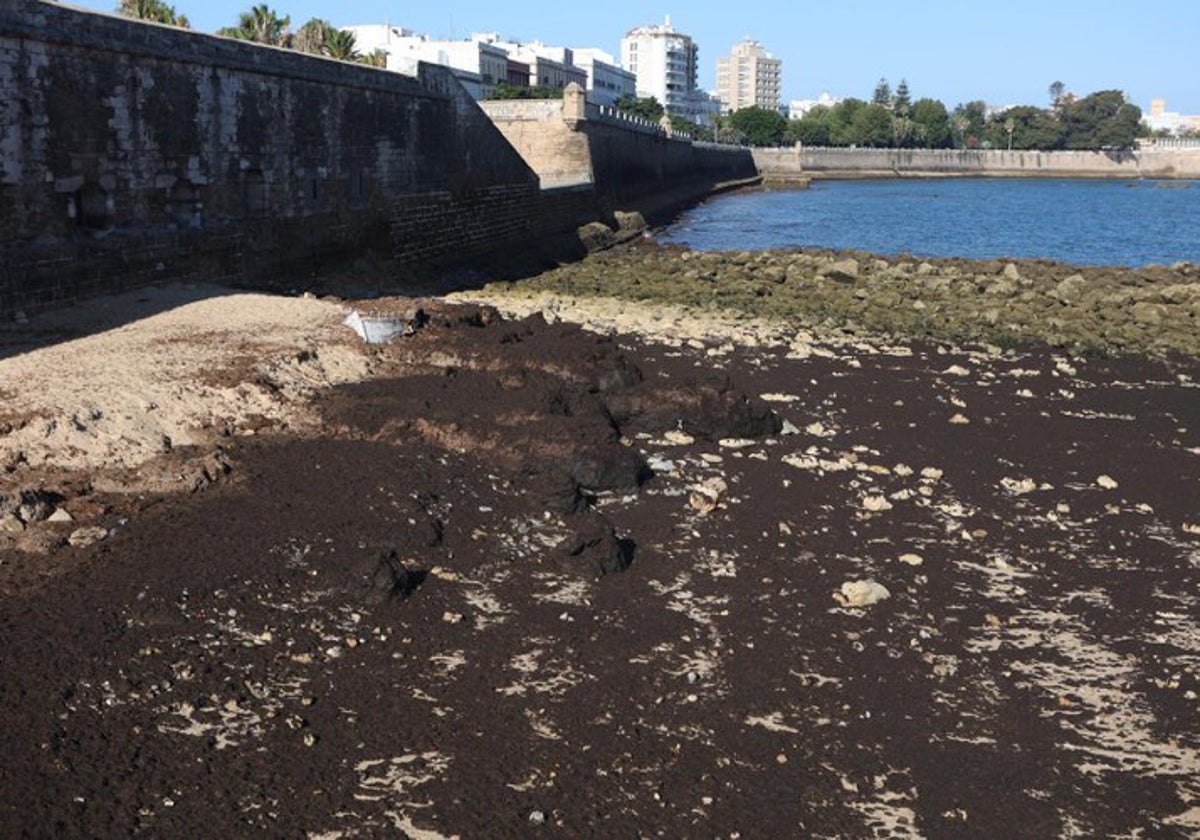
[1085,222]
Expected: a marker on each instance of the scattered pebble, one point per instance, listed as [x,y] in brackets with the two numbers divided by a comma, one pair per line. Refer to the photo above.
[861,593]
[90,535]
[1106,482]
[876,504]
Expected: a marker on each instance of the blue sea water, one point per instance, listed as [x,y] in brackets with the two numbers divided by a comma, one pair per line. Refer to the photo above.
[1130,223]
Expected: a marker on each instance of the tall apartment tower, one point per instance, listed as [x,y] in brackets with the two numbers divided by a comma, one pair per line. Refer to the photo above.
[748,76]
[665,64]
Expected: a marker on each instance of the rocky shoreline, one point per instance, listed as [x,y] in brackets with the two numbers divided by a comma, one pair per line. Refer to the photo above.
[696,562]
[1152,310]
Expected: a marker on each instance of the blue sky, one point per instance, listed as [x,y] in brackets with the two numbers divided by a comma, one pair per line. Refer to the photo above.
[1005,52]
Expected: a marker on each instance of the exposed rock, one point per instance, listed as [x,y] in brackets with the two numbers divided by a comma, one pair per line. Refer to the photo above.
[558,492]
[37,505]
[709,410]
[1106,482]
[842,271]
[1019,487]
[610,467]
[60,516]
[1150,314]
[595,236]
[379,576]
[88,535]
[861,593]
[11,524]
[593,548]
[706,497]
[876,504]
[629,220]
[1070,289]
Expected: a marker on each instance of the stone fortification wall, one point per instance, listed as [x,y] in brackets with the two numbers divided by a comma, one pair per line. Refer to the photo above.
[629,163]
[891,163]
[132,153]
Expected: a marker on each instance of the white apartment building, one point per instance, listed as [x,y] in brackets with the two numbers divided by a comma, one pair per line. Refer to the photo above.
[479,66]
[748,77]
[606,80]
[797,108]
[548,66]
[1160,119]
[665,64]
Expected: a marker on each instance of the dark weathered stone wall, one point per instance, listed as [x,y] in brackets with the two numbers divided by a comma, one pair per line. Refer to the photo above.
[131,153]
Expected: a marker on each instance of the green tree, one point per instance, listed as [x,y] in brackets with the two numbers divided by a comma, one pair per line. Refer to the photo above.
[970,124]
[1031,128]
[692,129]
[311,37]
[761,126]
[872,126]
[726,133]
[841,121]
[340,44]
[1057,89]
[262,25]
[152,10]
[507,91]
[812,129]
[933,124]
[1102,120]
[647,108]
[375,58]
[902,101]
[883,94]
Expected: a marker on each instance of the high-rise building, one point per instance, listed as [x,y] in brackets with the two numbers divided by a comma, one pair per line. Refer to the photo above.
[665,64]
[749,76]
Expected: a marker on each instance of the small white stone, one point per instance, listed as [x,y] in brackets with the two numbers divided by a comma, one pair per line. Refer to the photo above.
[912,559]
[1106,482]
[861,593]
[876,504]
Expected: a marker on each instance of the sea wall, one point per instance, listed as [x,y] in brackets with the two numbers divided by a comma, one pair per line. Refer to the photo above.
[630,164]
[899,163]
[133,153]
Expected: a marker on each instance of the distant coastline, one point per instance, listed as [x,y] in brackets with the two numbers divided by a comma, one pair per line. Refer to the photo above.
[843,163]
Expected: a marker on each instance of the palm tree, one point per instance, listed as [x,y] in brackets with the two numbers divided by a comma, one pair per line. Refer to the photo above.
[152,10]
[339,44]
[311,37]
[377,58]
[262,25]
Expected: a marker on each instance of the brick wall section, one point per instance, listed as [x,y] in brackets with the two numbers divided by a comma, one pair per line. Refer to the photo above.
[439,228]
[133,153]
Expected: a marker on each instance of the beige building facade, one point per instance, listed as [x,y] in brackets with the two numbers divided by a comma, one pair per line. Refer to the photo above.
[749,76]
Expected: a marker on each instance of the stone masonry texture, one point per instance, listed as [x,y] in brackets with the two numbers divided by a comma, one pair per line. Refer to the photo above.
[132,153]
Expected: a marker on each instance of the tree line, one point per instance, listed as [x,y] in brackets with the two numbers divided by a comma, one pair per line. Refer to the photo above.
[263,25]
[891,119]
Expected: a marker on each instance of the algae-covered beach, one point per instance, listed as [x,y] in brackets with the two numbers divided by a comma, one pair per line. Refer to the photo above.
[659,543]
